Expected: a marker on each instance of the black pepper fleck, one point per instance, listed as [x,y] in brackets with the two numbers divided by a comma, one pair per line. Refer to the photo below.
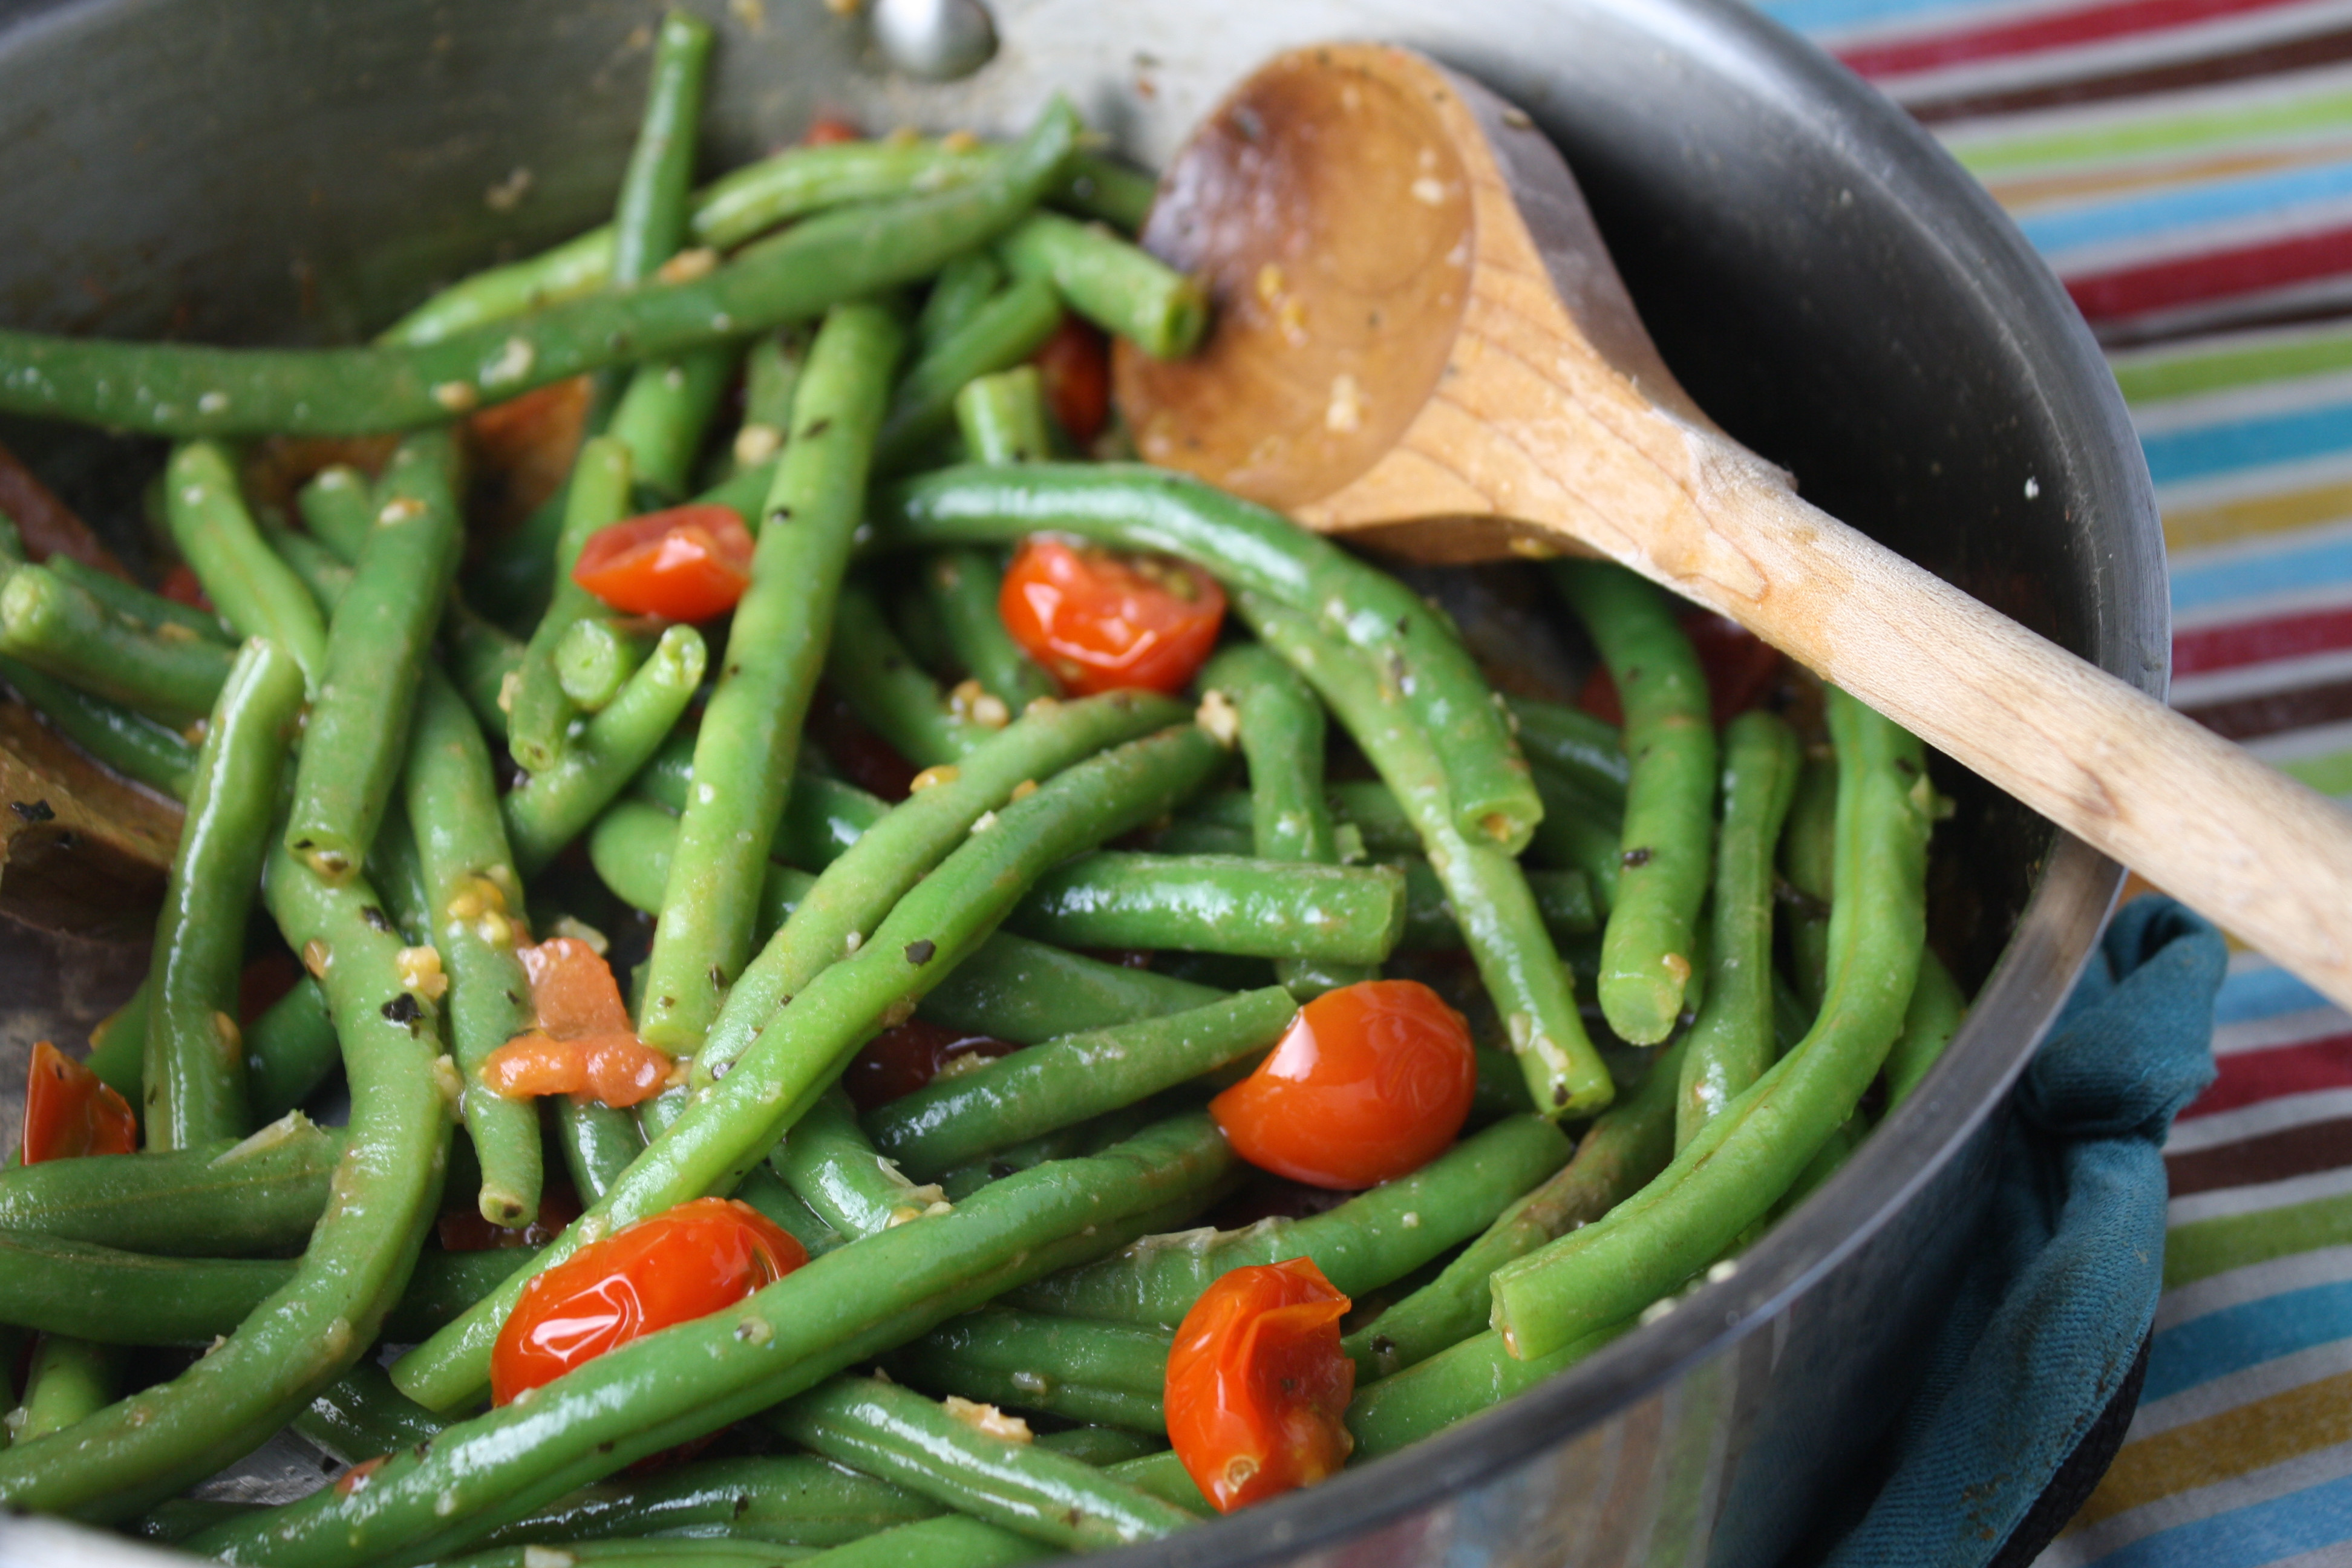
[1633,857]
[402,1009]
[375,919]
[920,951]
[32,810]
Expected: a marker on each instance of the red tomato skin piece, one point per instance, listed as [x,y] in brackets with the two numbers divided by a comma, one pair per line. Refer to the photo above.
[1257,1385]
[695,1260]
[616,1070]
[1370,1082]
[687,564]
[1075,364]
[69,1112]
[1103,622]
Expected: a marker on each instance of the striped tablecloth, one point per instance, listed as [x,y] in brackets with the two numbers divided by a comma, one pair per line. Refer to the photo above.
[2186,168]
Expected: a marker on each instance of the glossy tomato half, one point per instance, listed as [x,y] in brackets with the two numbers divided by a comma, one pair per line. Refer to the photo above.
[1258,1386]
[1102,621]
[1372,1082]
[695,1260]
[69,1113]
[687,564]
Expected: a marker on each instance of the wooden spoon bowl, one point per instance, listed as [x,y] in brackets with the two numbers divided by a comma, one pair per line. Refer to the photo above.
[1423,344]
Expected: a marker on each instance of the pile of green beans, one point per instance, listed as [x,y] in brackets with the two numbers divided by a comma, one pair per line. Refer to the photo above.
[1694,958]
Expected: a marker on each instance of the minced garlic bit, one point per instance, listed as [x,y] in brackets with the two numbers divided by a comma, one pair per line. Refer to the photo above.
[936,774]
[1218,717]
[513,362]
[755,444]
[507,684]
[959,141]
[458,396]
[581,931]
[1428,191]
[231,1038]
[420,972]
[401,509]
[851,943]
[451,1082]
[1269,282]
[504,197]
[974,702]
[1344,414]
[1024,789]
[987,820]
[687,265]
[317,957]
[988,1418]
[547,1557]
[1677,965]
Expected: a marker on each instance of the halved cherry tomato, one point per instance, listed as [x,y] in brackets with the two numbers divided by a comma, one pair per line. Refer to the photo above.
[695,1260]
[1371,1083]
[584,1044]
[687,564]
[1075,364]
[1739,664]
[69,1113]
[827,128]
[901,1060]
[180,586]
[465,1230]
[1257,1385]
[1103,621]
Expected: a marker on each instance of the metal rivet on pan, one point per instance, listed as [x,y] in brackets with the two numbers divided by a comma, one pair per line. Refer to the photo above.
[938,40]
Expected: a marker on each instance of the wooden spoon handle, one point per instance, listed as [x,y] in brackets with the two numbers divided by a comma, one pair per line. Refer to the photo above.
[2262,852]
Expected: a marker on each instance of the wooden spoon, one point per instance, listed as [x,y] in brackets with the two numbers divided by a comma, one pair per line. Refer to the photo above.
[1422,343]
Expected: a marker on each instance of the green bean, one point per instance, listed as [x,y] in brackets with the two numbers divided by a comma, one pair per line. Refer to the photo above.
[1363,804]
[828,1163]
[1062,1143]
[597,497]
[443,1285]
[515,576]
[69,1379]
[956,1119]
[138,748]
[771,375]
[597,654]
[113,1297]
[999,335]
[254,590]
[1372,1240]
[1934,1016]
[325,576]
[1730,1045]
[665,417]
[1101,187]
[1453,1386]
[358,730]
[733,1121]
[953,1540]
[1808,854]
[176,390]
[150,611]
[1646,951]
[889,692]
[822,818]
[1282,726]
[1110,1373]
[553,804]
[963,286]
[796,1499]
[224,1199]
[1106,1446]
[598,1144]
[1563,901]
[903,1437]
[649,222]
[481,657]
[195,1077]
[1248,546]
[289,1051]
[847,1307]
[860,889]
[1111,281]
[773,650]
[1214,903]
[691,1552]
[1587,752]
[961,589]
[338,506]
[1531,988]
[1835,1150]
[471,892]
[361,1414]
[1577,834]
[58,630]
[1730,1174]
[1624,1150]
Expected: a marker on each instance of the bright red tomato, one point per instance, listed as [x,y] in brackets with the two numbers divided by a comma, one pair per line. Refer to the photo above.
[1371,1083]
[697,1258]
[1257,1385]
[687,564]
[584,1044]
[1102,621]
[572,989]
[1075,364]
[901,1060]
[69,1113]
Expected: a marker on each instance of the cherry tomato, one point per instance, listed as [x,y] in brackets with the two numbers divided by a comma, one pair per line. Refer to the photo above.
[829,129]
[687,564]
[180,585]
[1371,1083]
[1257,1385]
[695,1260]
[1102,621]
[584,1044]
[465,1230]
[901,1060]
[1075,364]
[1739,664]
[69,1113]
